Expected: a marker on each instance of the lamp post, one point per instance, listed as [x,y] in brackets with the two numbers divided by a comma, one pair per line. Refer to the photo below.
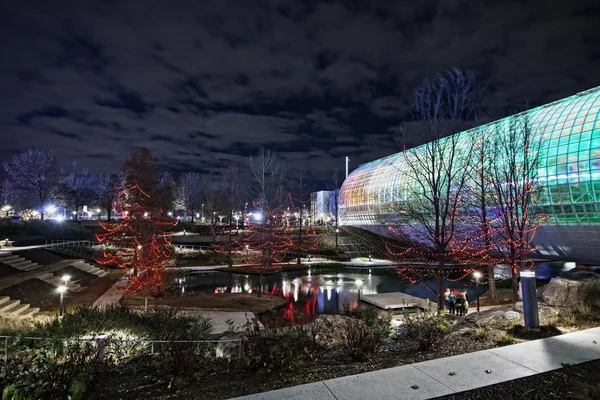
[359,283]
[477,275]
[65,279]
[63,306]
[247,253]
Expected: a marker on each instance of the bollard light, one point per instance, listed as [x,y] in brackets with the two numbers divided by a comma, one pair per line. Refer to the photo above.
[477,275]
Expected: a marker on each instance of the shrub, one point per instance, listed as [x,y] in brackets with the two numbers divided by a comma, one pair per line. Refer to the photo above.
[269,348]
[584,311]
[358,339]
[567,319]
[380,323]
[426,330]
[482,333]
[506,339]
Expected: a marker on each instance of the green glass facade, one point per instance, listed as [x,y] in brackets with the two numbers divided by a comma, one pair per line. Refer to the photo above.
[569,170]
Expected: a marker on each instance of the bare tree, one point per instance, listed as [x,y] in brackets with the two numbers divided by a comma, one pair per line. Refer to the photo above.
[189,193]
[77,189]
[167,192]
[515,189]
[7,196]
[34,176]
[107,192]
[268,179]
[234,192]
[435,179]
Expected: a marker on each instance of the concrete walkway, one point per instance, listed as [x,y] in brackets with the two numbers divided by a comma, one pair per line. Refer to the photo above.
[114,294]
[450,375]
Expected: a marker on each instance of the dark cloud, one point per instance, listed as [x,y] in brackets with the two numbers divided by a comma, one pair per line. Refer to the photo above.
[205,83]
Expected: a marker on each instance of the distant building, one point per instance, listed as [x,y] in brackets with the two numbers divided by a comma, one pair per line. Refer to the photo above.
[569,172]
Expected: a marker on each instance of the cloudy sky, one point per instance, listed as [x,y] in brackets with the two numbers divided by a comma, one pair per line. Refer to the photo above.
[204,83]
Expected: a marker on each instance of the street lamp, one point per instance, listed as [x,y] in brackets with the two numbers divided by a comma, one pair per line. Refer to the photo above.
[247,253]
[359,283]
[63,304]
[477,275]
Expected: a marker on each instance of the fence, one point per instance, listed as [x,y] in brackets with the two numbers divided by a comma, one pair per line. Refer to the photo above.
[72,243]
[140,347]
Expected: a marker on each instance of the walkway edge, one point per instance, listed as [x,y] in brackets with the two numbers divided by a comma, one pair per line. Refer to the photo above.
[449,375]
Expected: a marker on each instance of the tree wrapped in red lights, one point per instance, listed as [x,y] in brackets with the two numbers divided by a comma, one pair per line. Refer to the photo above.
[142,239]
[438,174]
[515,190]
[268,245]
[305,235]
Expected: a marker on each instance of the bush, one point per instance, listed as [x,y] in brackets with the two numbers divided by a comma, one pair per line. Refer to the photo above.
[567,319]
[506,339]
[380,323]
[584,311]
[482,333]
[268,348]
[364,331]
[426,330]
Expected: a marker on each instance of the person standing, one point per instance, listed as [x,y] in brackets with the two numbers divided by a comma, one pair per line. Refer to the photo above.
[466,302]
[447,298]
[460,305]
[452,303]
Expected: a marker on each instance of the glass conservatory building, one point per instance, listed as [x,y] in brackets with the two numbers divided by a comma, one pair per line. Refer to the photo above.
[569,172]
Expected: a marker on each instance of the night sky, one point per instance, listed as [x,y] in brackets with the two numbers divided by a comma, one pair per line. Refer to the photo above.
[206,83]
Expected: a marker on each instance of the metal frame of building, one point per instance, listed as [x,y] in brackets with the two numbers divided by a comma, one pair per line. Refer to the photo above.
[569,171]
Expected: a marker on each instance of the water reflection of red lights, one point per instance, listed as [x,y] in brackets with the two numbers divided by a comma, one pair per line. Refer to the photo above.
[305,301]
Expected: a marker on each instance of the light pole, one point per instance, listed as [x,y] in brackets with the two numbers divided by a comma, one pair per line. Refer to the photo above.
[62,308]
[359,283]
[202,216]
[65,279]
[477,275]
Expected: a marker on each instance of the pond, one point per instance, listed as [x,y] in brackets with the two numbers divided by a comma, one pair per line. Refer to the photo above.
[310,293]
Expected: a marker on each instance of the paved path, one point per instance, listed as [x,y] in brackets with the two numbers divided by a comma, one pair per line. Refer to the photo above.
[455,374]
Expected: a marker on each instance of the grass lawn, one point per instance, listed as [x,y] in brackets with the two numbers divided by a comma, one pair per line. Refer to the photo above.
[213,302]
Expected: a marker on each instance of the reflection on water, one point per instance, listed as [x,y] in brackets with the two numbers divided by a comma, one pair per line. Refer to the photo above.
[311,294]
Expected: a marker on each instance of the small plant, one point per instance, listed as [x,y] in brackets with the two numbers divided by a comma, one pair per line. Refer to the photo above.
[482,333]
[567,319]
[584,311]
[506,339]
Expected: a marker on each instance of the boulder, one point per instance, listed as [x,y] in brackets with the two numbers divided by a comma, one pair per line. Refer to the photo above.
[518,306]
[512,316]
[572,289]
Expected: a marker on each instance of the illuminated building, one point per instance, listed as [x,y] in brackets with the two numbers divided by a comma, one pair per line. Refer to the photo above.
[569,172]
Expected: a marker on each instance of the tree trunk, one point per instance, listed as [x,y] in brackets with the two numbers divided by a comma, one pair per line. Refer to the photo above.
[230,258]
[491,283]
[300,239]
[515,285]
[145,304]
[192,216]
[261,285]
[440,286]
[41,215]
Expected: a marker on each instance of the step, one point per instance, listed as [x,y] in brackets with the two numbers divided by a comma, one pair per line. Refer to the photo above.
[20,263]
[4,299]
[46,276]
[31,267]
[29,313]
[103,273]
[8,258]
[18,309]
[7,306]
[78,289]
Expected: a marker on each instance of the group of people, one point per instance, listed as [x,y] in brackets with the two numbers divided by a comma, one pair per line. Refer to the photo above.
[457,303]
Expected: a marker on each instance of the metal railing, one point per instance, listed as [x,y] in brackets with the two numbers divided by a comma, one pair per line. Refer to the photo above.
[72,243]
[103,341]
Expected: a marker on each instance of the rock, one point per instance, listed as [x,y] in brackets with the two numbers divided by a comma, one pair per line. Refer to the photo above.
[512,316]
[518,306]
[570,290]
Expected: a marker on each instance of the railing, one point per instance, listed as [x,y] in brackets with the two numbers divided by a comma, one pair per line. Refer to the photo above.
[103,343]
[192,247]
[72,243]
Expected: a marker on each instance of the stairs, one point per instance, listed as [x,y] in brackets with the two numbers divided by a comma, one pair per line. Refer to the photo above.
[359,244]
[52,279]
[18,262]
[89,268]
[14,308]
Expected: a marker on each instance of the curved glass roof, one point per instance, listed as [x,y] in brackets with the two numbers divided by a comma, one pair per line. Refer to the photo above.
[569,169]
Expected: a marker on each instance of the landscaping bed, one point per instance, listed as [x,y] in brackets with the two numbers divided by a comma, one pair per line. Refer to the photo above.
[213,302]
[577,382]
[6,270]
[35,292]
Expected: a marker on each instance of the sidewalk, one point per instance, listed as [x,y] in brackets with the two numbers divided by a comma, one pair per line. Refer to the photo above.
[434,378]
